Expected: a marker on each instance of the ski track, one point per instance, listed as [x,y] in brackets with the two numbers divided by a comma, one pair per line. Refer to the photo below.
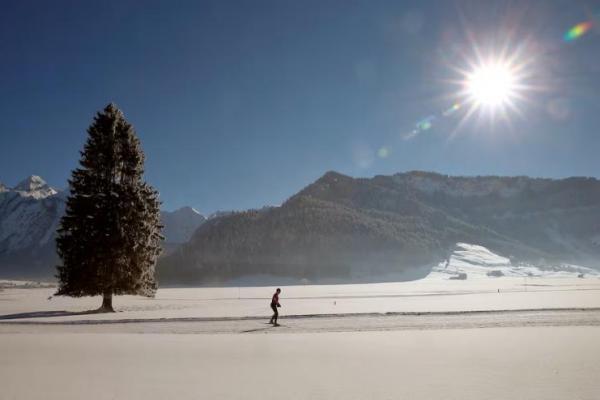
[320,322]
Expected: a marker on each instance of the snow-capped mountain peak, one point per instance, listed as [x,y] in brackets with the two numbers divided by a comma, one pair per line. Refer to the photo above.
[187,211]
[34,186]
[31,211]
[181,224]
[29,215]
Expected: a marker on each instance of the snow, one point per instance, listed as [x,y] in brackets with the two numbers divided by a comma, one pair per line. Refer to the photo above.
[27,221]
[425,295]
[521,286]
[16,284]
[479,262]
[30,213]
[475,254]
[220,213]
[423,339]
[525,363]
[35,187]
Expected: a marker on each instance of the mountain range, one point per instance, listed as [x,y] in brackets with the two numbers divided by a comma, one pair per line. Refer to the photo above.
[347,228]
[30,213]
[340,228]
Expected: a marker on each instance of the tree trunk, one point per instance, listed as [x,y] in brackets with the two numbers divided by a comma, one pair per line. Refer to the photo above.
[107,303]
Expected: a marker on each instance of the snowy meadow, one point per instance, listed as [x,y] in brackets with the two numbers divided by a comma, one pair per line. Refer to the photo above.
[507,337]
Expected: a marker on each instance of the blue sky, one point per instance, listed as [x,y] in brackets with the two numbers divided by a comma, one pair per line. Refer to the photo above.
[241,104]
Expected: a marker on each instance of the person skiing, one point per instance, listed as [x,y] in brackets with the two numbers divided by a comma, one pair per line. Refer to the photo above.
[274,305]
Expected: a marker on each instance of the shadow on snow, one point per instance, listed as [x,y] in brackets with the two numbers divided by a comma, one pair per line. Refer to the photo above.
[45,314]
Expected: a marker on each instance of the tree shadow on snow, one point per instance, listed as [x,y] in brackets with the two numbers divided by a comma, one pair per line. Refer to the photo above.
[45,314]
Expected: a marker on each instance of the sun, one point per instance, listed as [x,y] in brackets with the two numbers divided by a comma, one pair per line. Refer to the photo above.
[491,85]
[495,86]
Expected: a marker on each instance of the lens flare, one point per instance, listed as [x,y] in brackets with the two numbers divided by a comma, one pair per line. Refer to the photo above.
[577,31]
[383,152]
[455,107]
[497,79]
[425,123]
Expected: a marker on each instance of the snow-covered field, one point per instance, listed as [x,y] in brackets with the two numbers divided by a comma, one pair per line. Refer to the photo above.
[531,333]
[14,284]
[436,294]
[518,287]
[466,364]
[335,342]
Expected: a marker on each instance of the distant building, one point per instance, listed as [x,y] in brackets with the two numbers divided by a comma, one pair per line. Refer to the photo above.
[460,276]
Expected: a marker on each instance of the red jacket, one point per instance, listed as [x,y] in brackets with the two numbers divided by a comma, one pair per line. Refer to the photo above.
[275,299]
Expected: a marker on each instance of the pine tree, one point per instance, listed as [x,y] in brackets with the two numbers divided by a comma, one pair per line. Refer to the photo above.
[109,238]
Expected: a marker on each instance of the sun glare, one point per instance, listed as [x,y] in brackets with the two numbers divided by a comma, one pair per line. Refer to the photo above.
[494,85]
[491,85]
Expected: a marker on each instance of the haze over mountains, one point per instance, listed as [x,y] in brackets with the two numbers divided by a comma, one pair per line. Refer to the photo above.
[30,214]
[340,228]
[358,228]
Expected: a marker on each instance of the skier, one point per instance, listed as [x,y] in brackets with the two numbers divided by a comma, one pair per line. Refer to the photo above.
[274,305]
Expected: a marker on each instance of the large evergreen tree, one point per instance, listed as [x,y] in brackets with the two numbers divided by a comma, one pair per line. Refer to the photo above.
[109,238]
